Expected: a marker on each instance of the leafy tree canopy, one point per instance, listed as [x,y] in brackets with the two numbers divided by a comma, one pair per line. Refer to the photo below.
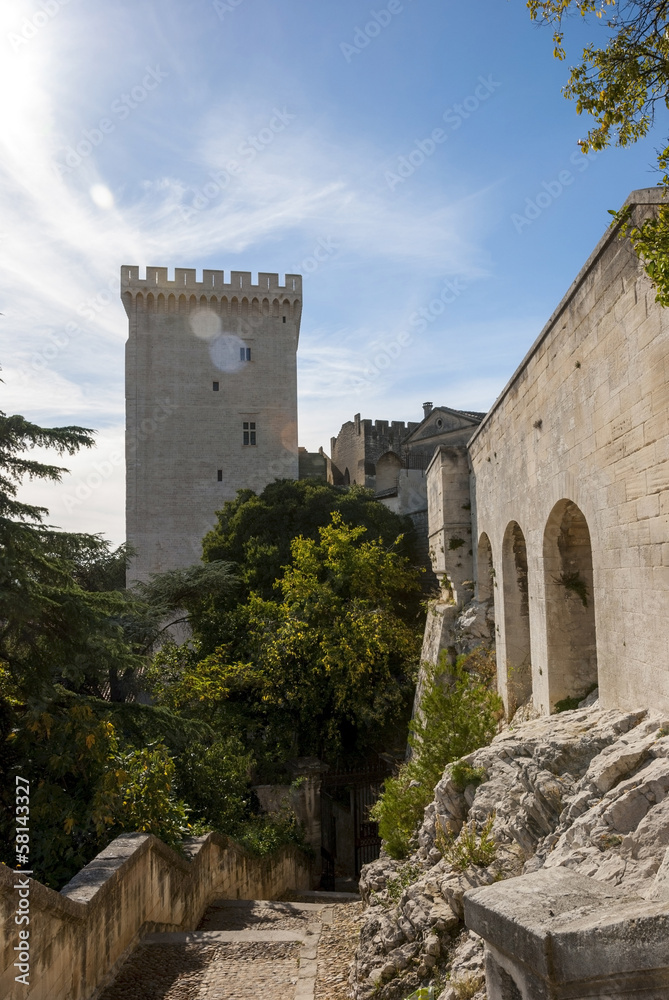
[326,669]
[255,531]
[622,82]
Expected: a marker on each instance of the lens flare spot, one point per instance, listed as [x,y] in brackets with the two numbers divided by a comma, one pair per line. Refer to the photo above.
[225,352]
[102,196]
[205,324]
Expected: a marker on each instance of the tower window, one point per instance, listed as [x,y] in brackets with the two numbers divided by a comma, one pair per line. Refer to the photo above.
[219,475]
[215,386]
[249,432]
[244,353]
[284,319]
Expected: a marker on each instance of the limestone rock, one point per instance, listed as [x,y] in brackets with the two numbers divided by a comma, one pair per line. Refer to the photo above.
[586,790]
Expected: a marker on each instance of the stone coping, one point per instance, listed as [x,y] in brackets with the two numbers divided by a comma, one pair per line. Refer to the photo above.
[642,196]
[569,928]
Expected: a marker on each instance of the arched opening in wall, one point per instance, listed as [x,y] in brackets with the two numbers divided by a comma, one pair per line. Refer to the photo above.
[347,477]
[570,609]
[516,617]
[387,470]
[484,574]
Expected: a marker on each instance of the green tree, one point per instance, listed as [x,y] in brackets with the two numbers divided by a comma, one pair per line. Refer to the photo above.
[622,82]
[256,531]
[51,627]
[327,669]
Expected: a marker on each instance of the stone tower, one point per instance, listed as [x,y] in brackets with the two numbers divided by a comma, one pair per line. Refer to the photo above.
[211,402]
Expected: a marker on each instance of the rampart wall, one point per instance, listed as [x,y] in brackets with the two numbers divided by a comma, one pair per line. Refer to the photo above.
[570,483]
[80,936]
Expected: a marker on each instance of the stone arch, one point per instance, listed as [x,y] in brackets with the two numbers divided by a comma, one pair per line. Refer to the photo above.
[192,302]
[296,309]
[171,304]
[255,307]
[161,303]
[347,477]
[286,308]
[245,308]
[265,307]
[183,304]
[387,470]
[516,617]
[484,569]
[150,302]
[139,302]
[234,306]
[275,307]
[204,302]
[571,637]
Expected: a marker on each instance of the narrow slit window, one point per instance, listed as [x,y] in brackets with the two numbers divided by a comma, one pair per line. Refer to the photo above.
[249,432]
[219,475]
[244,353]
[215,386]
[284,319]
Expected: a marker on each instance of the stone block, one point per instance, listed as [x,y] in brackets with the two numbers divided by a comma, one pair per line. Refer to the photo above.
[555,934]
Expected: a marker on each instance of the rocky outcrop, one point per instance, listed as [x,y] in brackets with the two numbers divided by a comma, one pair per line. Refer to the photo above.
[585,790]
[455,630]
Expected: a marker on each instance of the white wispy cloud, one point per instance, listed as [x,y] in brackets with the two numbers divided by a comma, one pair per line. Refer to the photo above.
[66,229]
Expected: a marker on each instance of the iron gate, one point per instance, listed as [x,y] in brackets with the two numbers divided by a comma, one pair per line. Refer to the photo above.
[364,788]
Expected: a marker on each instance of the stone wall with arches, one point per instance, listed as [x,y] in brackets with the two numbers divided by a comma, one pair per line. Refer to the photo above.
[570,495]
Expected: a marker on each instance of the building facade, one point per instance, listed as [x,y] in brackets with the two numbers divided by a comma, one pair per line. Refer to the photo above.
[211,402]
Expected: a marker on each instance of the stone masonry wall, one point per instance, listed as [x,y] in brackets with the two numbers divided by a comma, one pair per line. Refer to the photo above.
[188,394]
[81,935]
[571,487]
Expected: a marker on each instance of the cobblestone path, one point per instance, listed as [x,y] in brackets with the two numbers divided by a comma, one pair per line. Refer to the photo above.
[266,950]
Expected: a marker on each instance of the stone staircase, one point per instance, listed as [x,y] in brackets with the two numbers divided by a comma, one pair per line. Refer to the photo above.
[263,949]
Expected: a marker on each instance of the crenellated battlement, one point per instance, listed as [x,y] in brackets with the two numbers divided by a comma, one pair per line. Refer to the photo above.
[389,426]
[240,298]
[185,279]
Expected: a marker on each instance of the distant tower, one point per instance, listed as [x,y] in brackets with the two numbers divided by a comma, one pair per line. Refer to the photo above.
[211,402]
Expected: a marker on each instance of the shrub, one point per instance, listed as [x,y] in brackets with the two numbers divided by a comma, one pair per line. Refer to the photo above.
[396,885]
[458,714]
[468,848]
[263,835]
[463,774]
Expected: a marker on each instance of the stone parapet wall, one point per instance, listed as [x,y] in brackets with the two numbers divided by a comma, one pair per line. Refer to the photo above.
[80,936]
[571,490]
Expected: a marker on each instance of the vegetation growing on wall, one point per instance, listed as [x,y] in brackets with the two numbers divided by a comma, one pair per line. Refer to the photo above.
[459,713]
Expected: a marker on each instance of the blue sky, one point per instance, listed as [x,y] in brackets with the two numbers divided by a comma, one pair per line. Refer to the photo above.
[414,159]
